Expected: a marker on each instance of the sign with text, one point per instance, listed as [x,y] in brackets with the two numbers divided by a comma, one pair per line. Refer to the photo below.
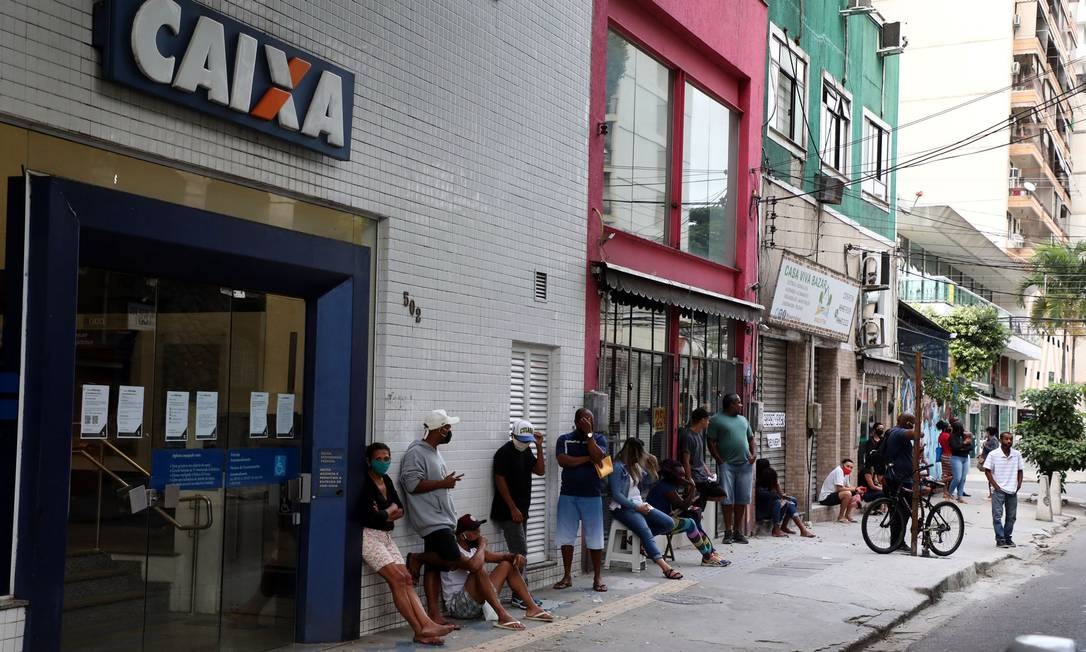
[814,299]
[190,55]
[247,467]
[773,439]
[331,469]
[772,420]
[188,468]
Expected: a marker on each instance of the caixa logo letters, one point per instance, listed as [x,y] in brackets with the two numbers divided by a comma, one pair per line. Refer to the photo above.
[188,54]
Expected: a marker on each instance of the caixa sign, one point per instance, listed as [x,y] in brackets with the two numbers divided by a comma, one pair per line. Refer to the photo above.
[187,54]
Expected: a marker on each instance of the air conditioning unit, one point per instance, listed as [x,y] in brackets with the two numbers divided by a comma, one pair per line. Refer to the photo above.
[875,271]
[859,5]
[1016,241]
[828,189]
[1016,67]
[872,335]
[890,39]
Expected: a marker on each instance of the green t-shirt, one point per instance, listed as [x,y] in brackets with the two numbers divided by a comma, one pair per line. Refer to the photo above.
[730,435]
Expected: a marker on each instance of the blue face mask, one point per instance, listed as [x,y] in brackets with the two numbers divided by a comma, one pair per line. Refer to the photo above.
[380,467]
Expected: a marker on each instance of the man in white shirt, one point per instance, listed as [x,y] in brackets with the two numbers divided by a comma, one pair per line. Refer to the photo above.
[1004,467]
[836,490]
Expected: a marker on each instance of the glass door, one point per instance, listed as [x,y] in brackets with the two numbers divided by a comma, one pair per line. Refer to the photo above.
[194,391]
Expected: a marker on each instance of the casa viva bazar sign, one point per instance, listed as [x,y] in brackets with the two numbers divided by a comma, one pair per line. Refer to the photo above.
[187,54]
[813,299]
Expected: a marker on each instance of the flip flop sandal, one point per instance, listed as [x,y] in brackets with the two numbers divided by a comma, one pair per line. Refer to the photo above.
[562,584]
[599,588]
[673,574]
[543,617]
[512,625]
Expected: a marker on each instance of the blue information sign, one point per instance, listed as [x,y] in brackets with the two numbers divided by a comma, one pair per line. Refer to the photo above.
[188,468]
[246,467]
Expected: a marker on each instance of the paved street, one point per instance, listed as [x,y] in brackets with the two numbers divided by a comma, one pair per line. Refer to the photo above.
[827,593]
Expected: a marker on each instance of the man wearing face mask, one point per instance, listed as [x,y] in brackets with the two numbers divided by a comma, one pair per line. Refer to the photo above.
[514,464]
[837,489]
[428,488]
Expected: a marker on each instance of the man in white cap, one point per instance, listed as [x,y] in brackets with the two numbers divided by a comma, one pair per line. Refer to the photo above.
[427,488]
[514,464]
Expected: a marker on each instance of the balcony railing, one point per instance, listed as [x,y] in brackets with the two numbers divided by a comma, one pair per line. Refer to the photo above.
[913,288]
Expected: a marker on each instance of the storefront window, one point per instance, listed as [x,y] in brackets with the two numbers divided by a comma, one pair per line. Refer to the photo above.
[706,372]
[635,372]
[709,149]
[636,143]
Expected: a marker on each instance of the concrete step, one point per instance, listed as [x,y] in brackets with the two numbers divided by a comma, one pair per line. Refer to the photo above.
[100,581]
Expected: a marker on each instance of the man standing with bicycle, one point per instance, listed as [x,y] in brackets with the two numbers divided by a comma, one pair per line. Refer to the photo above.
[1004,468]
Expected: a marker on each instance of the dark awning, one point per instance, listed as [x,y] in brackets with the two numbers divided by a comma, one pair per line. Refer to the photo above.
[880,366]
[628,281]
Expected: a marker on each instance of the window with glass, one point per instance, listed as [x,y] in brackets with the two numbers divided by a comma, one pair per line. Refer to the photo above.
[708,212]
[836,127]
[706,371]
[876,164]
[787,85]
[636,143]
[641,193]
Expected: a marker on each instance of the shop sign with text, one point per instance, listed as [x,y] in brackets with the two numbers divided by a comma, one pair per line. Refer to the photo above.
[187,54]
[811,298]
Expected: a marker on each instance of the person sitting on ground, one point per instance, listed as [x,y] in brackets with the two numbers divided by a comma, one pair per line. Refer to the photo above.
[836,490]
[381,508]
[770,502]
[465,592]
[632,466]
[678,495]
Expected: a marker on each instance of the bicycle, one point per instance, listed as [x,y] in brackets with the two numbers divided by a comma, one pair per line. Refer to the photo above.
[885,520]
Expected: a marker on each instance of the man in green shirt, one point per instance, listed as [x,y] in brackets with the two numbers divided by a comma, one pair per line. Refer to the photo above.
[731,443]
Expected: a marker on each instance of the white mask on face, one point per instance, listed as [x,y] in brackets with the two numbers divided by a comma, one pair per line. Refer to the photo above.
[521,445]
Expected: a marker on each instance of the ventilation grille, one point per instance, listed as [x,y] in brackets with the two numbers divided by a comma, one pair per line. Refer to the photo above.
[540,286]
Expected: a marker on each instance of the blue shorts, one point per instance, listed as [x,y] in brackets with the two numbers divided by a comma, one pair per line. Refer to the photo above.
[584,511]
[736,480]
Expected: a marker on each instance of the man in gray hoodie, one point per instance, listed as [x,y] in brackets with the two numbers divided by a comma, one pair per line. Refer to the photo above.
[428,486]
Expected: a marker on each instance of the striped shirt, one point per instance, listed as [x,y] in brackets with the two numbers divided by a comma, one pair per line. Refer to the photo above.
[1005,468]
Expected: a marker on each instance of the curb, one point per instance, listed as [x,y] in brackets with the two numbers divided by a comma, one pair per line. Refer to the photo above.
[882,624]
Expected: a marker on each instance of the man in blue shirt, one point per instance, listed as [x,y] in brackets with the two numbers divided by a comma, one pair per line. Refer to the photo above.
[580,502]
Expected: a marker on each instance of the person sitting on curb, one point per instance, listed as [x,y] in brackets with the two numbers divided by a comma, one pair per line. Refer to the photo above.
[836,490]
[771,502]
[465,592]
[678,495]
[381,508]
[631,467]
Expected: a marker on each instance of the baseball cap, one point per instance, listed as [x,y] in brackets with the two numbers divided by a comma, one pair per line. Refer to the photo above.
[523,430]
[466,523]
[438,419]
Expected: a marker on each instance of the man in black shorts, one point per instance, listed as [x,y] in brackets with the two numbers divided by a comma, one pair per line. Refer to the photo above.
[427,491]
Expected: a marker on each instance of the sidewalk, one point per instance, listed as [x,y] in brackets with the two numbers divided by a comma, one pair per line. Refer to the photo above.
[827,593]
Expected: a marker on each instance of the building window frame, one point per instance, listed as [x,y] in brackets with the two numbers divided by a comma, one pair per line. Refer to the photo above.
[836,105]
[794,136]
[875,167]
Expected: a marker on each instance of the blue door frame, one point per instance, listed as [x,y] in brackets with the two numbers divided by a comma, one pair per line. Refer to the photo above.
[72,225]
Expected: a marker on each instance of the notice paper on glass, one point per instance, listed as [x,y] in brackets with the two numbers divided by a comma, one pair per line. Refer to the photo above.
[284,416]
[177,416]
[129,412]
[92,420]
[207,415]
[258,415]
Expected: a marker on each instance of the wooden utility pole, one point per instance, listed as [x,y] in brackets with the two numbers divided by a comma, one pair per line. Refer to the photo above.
[918,445]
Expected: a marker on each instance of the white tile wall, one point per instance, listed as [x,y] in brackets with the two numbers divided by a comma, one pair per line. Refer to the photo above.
[470,138]
[12,620]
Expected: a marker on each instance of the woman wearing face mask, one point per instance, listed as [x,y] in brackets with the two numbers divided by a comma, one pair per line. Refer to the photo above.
[381,508]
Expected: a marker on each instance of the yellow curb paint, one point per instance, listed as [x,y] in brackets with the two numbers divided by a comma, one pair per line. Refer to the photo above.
[593,616]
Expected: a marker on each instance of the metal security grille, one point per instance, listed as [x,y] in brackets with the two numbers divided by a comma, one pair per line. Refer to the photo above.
[774,369]
[529,398]
[706,374]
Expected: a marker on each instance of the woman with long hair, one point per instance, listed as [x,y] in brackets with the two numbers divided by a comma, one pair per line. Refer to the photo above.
[381,508]
[632,466]
[944,456]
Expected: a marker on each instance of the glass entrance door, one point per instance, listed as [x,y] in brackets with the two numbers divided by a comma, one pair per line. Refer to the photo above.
[195,392]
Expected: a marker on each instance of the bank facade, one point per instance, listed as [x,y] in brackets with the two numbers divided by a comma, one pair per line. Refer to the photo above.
[243,241]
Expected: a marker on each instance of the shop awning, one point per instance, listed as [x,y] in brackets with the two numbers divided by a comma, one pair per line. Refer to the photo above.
[673,293]
[880,366]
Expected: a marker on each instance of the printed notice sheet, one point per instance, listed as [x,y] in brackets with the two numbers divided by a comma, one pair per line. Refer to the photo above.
[130,412]
[92,420]
[284,416]
[177,416]
[207,415]
[258,415]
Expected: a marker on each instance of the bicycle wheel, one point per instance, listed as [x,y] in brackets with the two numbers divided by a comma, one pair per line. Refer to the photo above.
[944,528]
[882,526]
